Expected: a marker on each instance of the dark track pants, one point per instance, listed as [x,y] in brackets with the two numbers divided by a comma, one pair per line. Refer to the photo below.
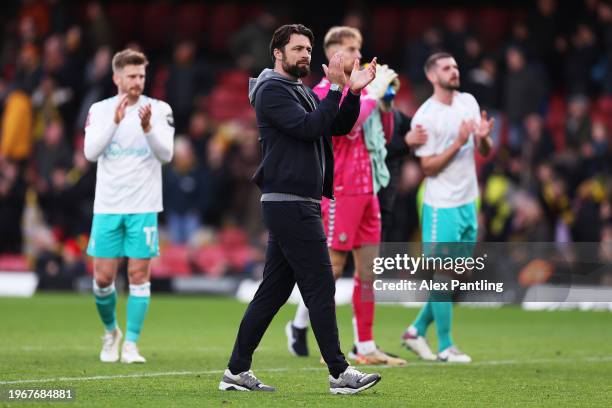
[297,253]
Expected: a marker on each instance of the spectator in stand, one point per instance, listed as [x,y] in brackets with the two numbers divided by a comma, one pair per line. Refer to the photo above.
[184,192]
[51,152]
[243,163]
[545,24]
[538,145]
[580,60]
[605,23]
[525,90]
[16,127]
[47,101]
[250,45]
[76,58]
[99,29]
[590,197]
[415,56]
[595,152]
[483,82]
[520,38]
[29,69]
[12,201]
[221,182]
[98,82]
[578,122]
[456,36]
[406,223]
[199,133]
[188,78]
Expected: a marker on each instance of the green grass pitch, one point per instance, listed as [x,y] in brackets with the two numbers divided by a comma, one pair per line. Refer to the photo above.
[520,358]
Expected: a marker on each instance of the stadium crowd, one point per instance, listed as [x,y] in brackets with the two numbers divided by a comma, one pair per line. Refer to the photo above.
[543,70]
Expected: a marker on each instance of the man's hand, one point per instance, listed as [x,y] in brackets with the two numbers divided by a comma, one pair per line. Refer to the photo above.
[335,72]
[120,110]
[485,127]
[466,128]
[145,117]
[416,137]
[482,132]
[362,78]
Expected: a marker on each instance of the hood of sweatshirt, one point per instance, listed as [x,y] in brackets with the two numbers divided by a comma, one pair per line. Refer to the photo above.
[267,75]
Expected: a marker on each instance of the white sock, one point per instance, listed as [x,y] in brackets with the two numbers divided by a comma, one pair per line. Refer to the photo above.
[103,292]
[366,347]
[302,317]
[142,290]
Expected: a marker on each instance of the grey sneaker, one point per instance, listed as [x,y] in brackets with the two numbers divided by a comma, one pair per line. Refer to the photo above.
[352,381]
[245,381]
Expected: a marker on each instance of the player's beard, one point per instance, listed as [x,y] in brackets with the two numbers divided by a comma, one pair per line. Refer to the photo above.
[450,85]
[295,69]
[135,91]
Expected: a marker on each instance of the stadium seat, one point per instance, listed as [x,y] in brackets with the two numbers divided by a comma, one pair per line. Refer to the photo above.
[173,261]
[158,85]
[404,100]
[159,18]
[225,20]
[234,78]
[555,119]
[211,260]
[604,109]
[192,20]
[124,19]
[386,22]
[239,257]
[232,237]
[14,263]
[415,21]
[492,24]
[226,103]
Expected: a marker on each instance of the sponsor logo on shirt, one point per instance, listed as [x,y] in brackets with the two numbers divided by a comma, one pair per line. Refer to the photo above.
[115,151]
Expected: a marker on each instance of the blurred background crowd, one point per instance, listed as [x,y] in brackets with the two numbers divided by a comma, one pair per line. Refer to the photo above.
[542,68]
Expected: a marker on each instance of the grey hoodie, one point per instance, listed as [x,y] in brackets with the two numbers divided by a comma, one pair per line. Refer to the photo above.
[269,74]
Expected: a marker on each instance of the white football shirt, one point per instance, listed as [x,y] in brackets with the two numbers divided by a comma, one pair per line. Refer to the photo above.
[456,184]
[129,177]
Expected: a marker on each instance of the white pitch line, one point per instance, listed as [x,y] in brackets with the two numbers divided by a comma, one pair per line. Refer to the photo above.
[592,359]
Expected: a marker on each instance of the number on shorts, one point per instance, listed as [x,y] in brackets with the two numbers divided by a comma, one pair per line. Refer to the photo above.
[151,233]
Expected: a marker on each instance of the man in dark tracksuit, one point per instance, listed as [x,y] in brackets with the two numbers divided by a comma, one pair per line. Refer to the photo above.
[296,171]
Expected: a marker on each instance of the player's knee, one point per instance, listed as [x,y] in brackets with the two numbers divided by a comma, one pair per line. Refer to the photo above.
[103,281]
[138,273]
[365,274]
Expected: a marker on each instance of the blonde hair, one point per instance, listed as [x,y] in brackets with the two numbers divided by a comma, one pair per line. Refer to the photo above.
[128,57]
[337,34]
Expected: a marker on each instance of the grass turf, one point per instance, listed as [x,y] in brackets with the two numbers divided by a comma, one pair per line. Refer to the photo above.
[520,358]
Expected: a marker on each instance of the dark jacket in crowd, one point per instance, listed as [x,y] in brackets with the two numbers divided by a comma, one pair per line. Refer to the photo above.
[295,130]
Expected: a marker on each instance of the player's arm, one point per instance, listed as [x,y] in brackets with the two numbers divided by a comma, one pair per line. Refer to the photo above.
[482,134]
[99,130]
[159,132]
[347,115]
[350,109]
[278,106]
[433,164]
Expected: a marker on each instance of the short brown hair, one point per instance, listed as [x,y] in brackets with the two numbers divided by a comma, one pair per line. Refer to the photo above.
[337,34]
[128,57]
[433,59]
[282,35]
